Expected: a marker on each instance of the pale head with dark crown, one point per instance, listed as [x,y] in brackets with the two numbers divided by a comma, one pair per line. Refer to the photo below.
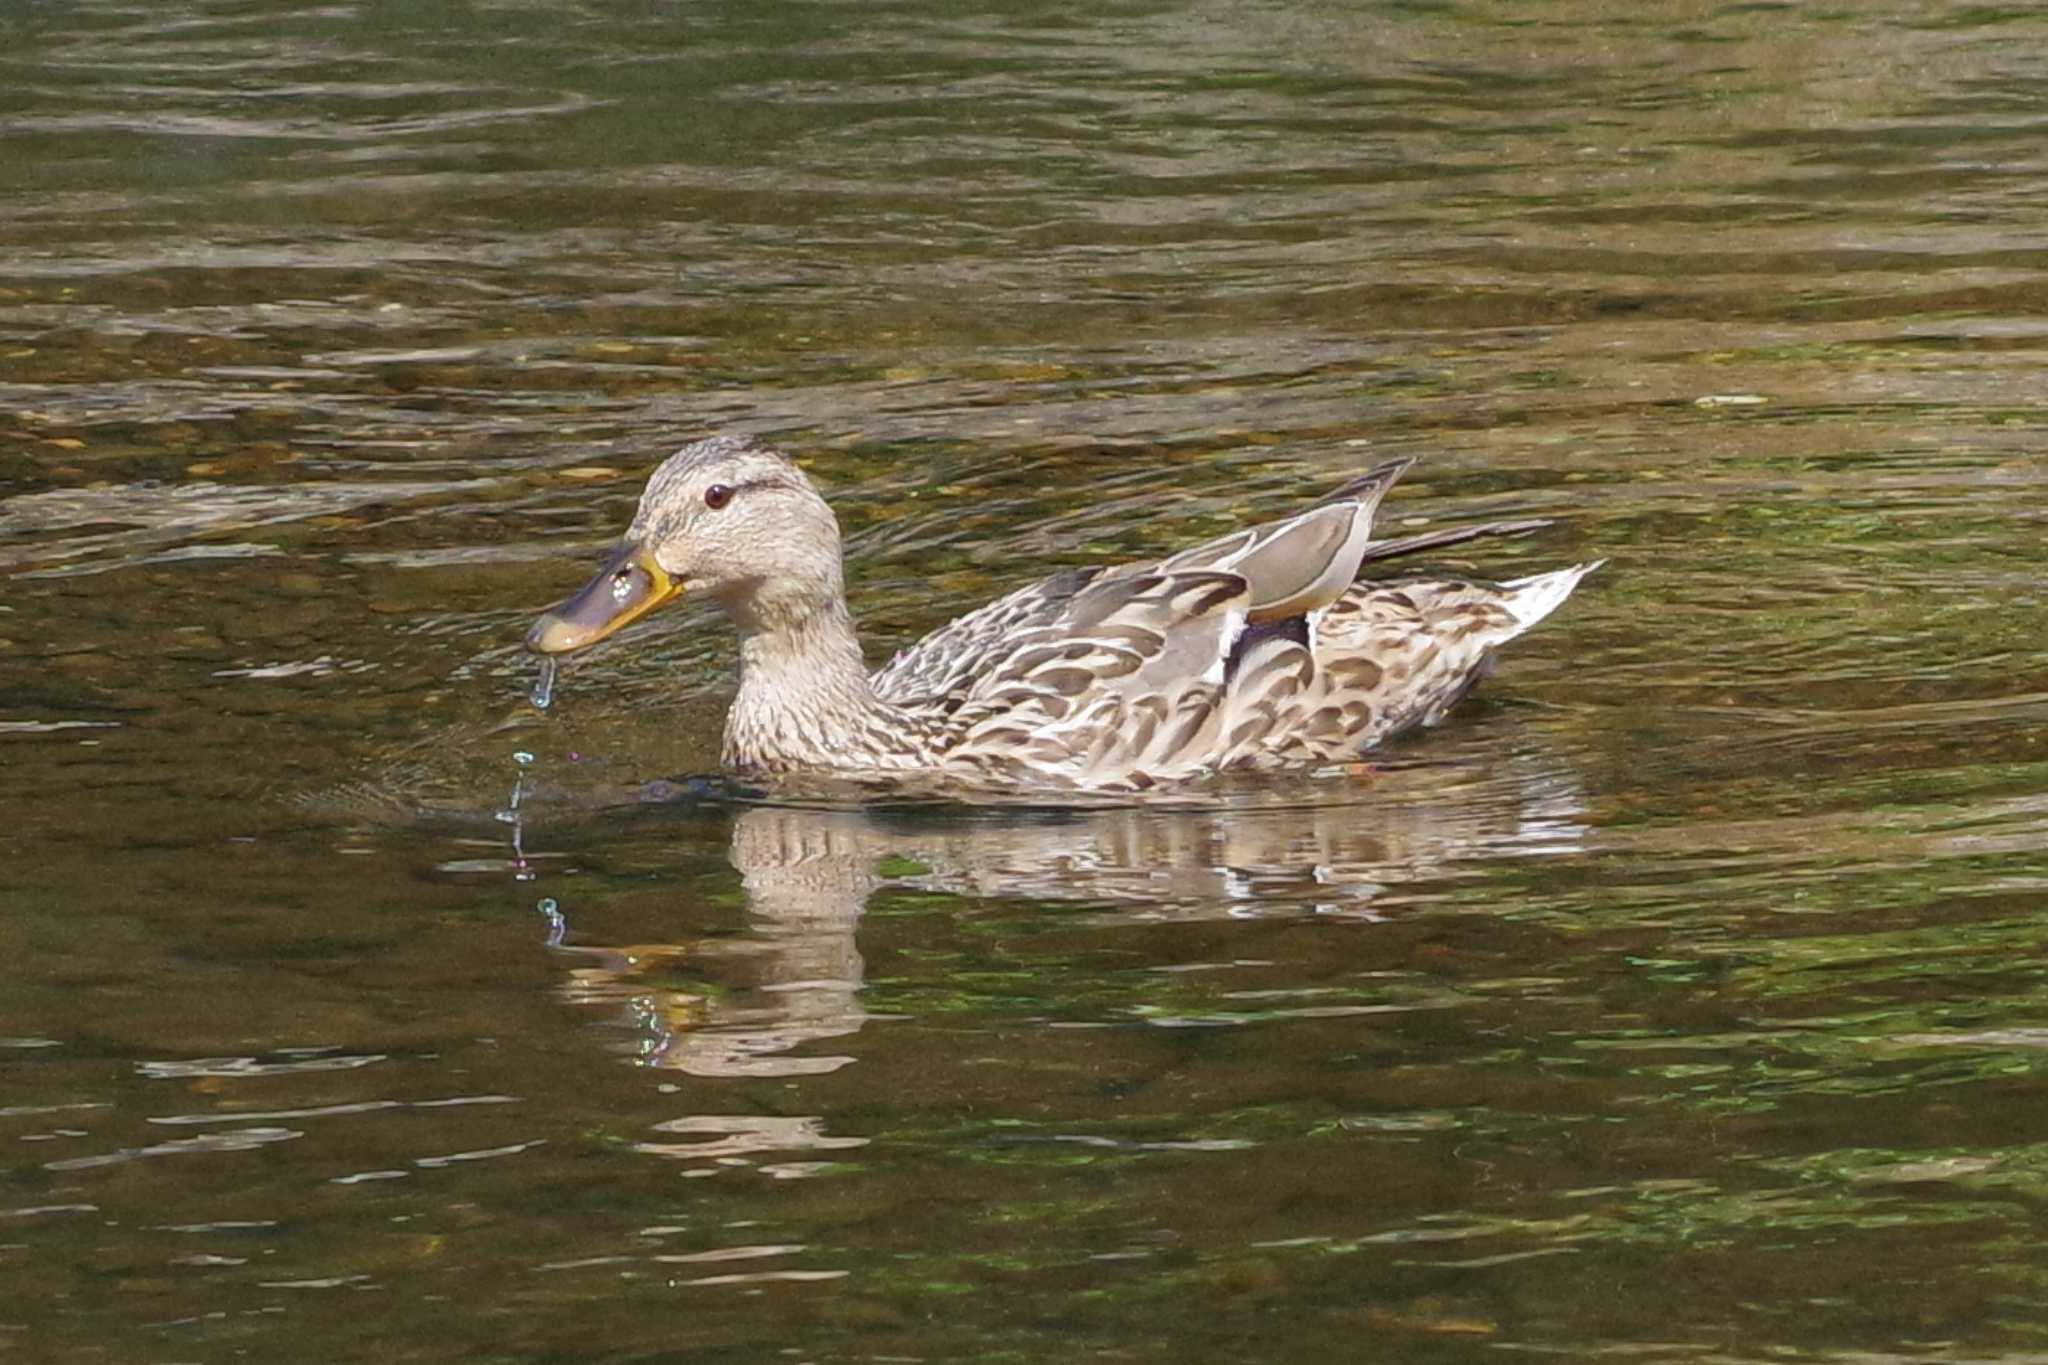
[725,518]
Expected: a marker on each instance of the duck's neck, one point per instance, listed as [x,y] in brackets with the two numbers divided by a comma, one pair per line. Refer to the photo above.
[804,699]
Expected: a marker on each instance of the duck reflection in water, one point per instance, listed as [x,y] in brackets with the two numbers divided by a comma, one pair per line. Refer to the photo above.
[766,1003]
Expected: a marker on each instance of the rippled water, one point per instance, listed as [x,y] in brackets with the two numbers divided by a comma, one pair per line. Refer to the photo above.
[1683,998]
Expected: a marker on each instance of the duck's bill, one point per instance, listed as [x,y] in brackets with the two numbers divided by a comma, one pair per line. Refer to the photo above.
[629,586]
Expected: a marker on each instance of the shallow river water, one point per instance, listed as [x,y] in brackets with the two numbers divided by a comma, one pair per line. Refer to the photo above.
[1683,998]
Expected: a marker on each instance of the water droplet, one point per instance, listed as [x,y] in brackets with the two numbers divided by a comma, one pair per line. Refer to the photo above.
[558,923]
[544,686]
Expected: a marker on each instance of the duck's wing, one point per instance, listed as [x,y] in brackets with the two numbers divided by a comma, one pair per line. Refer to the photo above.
[1289,567]
[1128,687]
[1304,562]
[938,669]
[1159,672]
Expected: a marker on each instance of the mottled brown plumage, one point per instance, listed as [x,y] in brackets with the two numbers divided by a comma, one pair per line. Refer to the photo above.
[1258,650]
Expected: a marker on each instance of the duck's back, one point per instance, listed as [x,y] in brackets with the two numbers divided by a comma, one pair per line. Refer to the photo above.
[1257,650]
[944,663]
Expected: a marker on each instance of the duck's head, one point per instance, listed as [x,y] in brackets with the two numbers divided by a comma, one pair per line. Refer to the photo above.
[723,518]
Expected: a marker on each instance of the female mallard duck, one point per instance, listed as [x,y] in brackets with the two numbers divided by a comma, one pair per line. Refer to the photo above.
[1259,650]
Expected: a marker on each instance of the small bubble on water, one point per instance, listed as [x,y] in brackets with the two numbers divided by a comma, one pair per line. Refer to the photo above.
[521,757]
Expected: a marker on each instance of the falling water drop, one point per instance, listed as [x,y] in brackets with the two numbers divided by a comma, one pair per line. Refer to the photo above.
[544,686]
[522,871]
[558,923]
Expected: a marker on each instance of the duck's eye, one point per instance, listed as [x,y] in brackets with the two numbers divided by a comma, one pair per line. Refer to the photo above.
[717,496]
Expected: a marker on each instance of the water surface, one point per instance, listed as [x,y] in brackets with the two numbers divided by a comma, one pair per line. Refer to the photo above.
[1682,999]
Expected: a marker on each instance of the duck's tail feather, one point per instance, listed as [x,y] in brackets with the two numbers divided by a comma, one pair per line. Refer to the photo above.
[1535,597]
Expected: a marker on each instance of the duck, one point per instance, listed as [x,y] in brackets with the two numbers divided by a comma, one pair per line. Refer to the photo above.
[1262,650]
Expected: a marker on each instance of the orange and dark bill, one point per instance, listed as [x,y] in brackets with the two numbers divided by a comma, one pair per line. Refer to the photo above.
[629,586]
